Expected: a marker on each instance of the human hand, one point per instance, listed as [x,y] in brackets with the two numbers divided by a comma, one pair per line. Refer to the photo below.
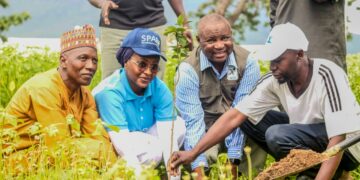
[178,158]
[106,6]
[188,36]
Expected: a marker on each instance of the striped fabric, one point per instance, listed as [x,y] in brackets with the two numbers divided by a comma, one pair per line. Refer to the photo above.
[264,77]
[331,88]
[189,105]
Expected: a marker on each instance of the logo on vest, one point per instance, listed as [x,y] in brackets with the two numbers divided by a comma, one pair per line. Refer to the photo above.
[232,74]
[269,40]
[149,39]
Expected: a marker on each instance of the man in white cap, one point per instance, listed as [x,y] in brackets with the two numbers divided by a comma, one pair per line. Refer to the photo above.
[320,109]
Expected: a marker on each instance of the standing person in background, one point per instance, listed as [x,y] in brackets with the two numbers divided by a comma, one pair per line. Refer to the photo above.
[118,17]
[322,22]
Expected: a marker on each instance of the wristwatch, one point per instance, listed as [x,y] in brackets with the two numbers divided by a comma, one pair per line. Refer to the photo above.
[235,161]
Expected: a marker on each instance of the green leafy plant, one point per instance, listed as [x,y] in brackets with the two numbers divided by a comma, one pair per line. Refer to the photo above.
[177,52]
[241,14]
[12,20]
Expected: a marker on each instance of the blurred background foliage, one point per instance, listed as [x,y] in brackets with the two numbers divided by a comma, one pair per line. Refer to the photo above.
[12,20]
[242,14]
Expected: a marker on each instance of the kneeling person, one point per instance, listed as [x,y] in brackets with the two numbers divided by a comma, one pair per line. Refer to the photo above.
[139,103]
[320,109]
[48,99]
[214,78]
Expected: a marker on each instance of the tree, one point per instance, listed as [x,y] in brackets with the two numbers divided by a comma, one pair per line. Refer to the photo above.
[240,13]
[13,20]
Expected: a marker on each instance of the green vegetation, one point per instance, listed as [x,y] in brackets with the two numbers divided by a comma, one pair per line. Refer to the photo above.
[241,14]
[353,64]
[17,67]
[176,52]
[13,20]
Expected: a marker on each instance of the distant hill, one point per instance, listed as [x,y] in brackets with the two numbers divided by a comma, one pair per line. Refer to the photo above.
[49,18]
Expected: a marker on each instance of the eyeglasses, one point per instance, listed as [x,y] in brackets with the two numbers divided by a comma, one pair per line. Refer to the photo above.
[154,68]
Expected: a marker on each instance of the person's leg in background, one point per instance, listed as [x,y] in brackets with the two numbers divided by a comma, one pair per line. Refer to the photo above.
[110,40]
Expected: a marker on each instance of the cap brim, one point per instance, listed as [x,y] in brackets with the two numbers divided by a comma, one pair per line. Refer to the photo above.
[267,53]
[147,52]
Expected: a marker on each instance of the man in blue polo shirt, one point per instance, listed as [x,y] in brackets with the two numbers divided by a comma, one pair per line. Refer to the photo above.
[139,103]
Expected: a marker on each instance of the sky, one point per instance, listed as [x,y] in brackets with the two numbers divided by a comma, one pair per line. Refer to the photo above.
[50,18]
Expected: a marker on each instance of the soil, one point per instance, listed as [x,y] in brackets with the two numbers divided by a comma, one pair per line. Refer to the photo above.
[297,160]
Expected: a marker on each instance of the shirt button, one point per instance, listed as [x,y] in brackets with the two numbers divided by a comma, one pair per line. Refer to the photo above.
[141,118]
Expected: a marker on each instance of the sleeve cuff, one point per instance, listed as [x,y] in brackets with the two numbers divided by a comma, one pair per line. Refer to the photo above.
[199,161]
[235,152]
[167,119]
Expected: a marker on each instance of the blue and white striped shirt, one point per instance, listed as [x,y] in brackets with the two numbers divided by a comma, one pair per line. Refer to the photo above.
[189,105]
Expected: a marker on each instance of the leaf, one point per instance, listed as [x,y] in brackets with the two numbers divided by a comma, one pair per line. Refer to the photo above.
[97,132]
[169,30]
[98,128]
[180,20]
[8,119]
[12,86]
[112,127]
[76,126]
[70,119]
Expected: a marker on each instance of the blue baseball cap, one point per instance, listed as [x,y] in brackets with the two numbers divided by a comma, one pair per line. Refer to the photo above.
[143,42]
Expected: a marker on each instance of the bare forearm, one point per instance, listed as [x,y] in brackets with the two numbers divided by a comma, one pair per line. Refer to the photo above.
[178,7]
[96,3]
[220,129]
[328,168]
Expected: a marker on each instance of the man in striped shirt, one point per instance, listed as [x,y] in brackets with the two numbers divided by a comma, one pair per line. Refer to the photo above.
[215,77]
[320,109]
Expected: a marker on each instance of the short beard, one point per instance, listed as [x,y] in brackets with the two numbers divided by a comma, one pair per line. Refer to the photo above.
[282,81]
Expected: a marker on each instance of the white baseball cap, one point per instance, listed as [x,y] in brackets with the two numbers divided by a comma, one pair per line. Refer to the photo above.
[281,38]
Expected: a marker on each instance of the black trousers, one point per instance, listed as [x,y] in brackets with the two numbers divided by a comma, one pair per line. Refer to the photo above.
[277,137]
